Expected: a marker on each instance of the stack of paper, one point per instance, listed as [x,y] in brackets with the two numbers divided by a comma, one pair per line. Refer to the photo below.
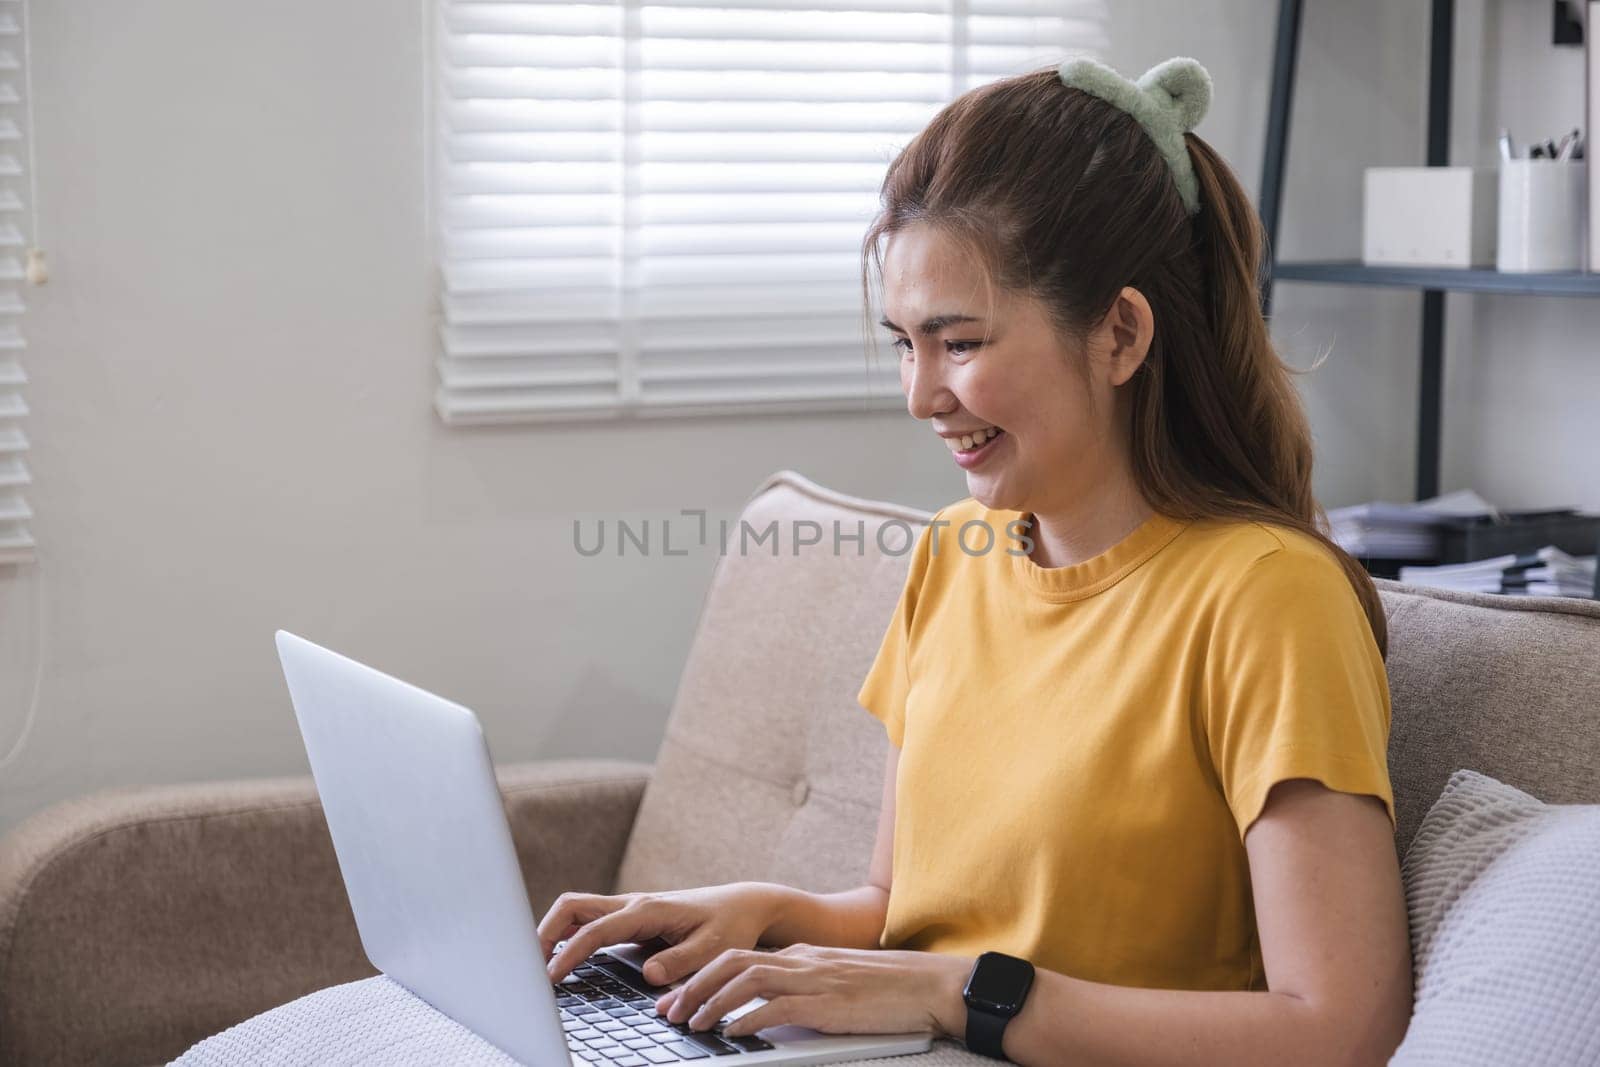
[1401,531]
[1545,572]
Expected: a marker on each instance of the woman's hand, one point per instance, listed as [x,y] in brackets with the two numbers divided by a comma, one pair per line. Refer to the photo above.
[700,922]
[834,990]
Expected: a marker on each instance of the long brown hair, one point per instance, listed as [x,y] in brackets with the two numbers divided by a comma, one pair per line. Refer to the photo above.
[1059,195]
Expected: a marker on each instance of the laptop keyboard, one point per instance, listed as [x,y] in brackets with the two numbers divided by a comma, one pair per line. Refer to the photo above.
[610,1017]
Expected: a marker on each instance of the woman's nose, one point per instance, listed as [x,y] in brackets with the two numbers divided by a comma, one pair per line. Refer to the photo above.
[927,394]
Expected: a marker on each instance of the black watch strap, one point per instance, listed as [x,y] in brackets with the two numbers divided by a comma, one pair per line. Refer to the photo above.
[984,1031]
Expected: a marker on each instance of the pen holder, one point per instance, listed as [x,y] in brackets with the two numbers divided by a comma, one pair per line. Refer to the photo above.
[1542,208]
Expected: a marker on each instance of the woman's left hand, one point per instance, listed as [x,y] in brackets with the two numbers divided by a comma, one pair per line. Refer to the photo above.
[834,990]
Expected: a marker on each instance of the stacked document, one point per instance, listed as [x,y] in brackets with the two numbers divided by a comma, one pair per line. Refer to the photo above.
[1402,531]
[1545,572]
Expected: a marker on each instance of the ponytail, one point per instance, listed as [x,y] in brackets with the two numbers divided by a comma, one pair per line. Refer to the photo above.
[1270,449]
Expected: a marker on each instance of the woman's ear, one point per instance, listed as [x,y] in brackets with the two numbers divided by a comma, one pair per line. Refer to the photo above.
[1123,336]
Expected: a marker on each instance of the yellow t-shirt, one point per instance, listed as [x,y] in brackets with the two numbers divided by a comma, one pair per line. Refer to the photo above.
[1084,747]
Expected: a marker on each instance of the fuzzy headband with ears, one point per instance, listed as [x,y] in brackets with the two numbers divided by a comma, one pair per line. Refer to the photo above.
[1168,100]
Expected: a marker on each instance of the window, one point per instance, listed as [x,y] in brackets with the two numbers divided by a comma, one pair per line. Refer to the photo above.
[16,161]
[655,206]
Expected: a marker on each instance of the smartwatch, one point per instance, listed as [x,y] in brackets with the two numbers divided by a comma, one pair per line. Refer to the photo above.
[994,993]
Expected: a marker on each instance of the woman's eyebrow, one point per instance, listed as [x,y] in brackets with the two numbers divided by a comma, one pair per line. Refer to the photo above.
[933,325]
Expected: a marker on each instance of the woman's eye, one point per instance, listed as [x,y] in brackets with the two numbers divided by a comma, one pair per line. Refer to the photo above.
[957,348]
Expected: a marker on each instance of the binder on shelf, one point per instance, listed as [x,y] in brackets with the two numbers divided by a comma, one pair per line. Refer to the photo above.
[1465,539]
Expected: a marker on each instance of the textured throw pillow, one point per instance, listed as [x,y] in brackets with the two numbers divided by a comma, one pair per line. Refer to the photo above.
[1503,892]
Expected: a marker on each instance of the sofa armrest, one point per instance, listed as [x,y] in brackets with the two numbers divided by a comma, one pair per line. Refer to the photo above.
[136,922]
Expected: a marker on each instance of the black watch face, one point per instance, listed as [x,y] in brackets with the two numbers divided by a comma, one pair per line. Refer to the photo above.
[999,983]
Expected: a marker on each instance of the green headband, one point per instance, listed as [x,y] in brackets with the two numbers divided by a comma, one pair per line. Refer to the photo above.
[1168,100]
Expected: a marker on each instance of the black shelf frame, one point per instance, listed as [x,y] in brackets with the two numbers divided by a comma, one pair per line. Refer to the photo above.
[1354,272]
[1432,282]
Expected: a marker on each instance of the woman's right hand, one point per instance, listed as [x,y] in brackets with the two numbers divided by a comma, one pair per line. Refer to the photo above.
[700,923]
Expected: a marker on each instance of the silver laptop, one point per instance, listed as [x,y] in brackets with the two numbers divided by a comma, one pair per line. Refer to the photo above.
[420,831]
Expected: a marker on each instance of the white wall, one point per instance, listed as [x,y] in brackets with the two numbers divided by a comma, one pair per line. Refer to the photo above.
[231,373]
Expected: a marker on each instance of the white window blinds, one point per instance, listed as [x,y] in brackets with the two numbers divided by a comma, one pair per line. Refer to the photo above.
[16,543]
[656,207]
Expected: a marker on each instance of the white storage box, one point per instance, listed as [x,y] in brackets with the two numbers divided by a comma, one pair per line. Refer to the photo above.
[1430,217]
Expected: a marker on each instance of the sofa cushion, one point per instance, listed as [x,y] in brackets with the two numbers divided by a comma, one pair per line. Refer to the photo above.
[769,769]
[1505,929]
[1509,686]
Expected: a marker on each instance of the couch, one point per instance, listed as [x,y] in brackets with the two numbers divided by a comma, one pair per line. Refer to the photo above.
[135,922]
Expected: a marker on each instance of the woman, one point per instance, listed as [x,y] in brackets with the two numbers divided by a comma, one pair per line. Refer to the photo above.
[1138,747]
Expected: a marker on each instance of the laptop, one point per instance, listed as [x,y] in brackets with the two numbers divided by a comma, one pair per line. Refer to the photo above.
[420,832]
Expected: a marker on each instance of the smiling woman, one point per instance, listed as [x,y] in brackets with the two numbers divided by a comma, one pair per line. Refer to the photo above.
[1171,709]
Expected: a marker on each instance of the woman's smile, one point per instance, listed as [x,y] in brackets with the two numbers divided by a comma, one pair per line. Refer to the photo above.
[969,450]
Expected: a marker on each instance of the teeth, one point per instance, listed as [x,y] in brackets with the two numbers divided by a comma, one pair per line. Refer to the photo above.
[969,441]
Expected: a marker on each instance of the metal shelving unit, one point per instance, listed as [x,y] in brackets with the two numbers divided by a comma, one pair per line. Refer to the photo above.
[1432,282]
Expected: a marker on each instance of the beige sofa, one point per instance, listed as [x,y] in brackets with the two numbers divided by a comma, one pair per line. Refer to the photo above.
[134,923]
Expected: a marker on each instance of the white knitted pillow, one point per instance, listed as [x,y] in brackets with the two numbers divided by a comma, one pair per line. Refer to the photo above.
[1503,892]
